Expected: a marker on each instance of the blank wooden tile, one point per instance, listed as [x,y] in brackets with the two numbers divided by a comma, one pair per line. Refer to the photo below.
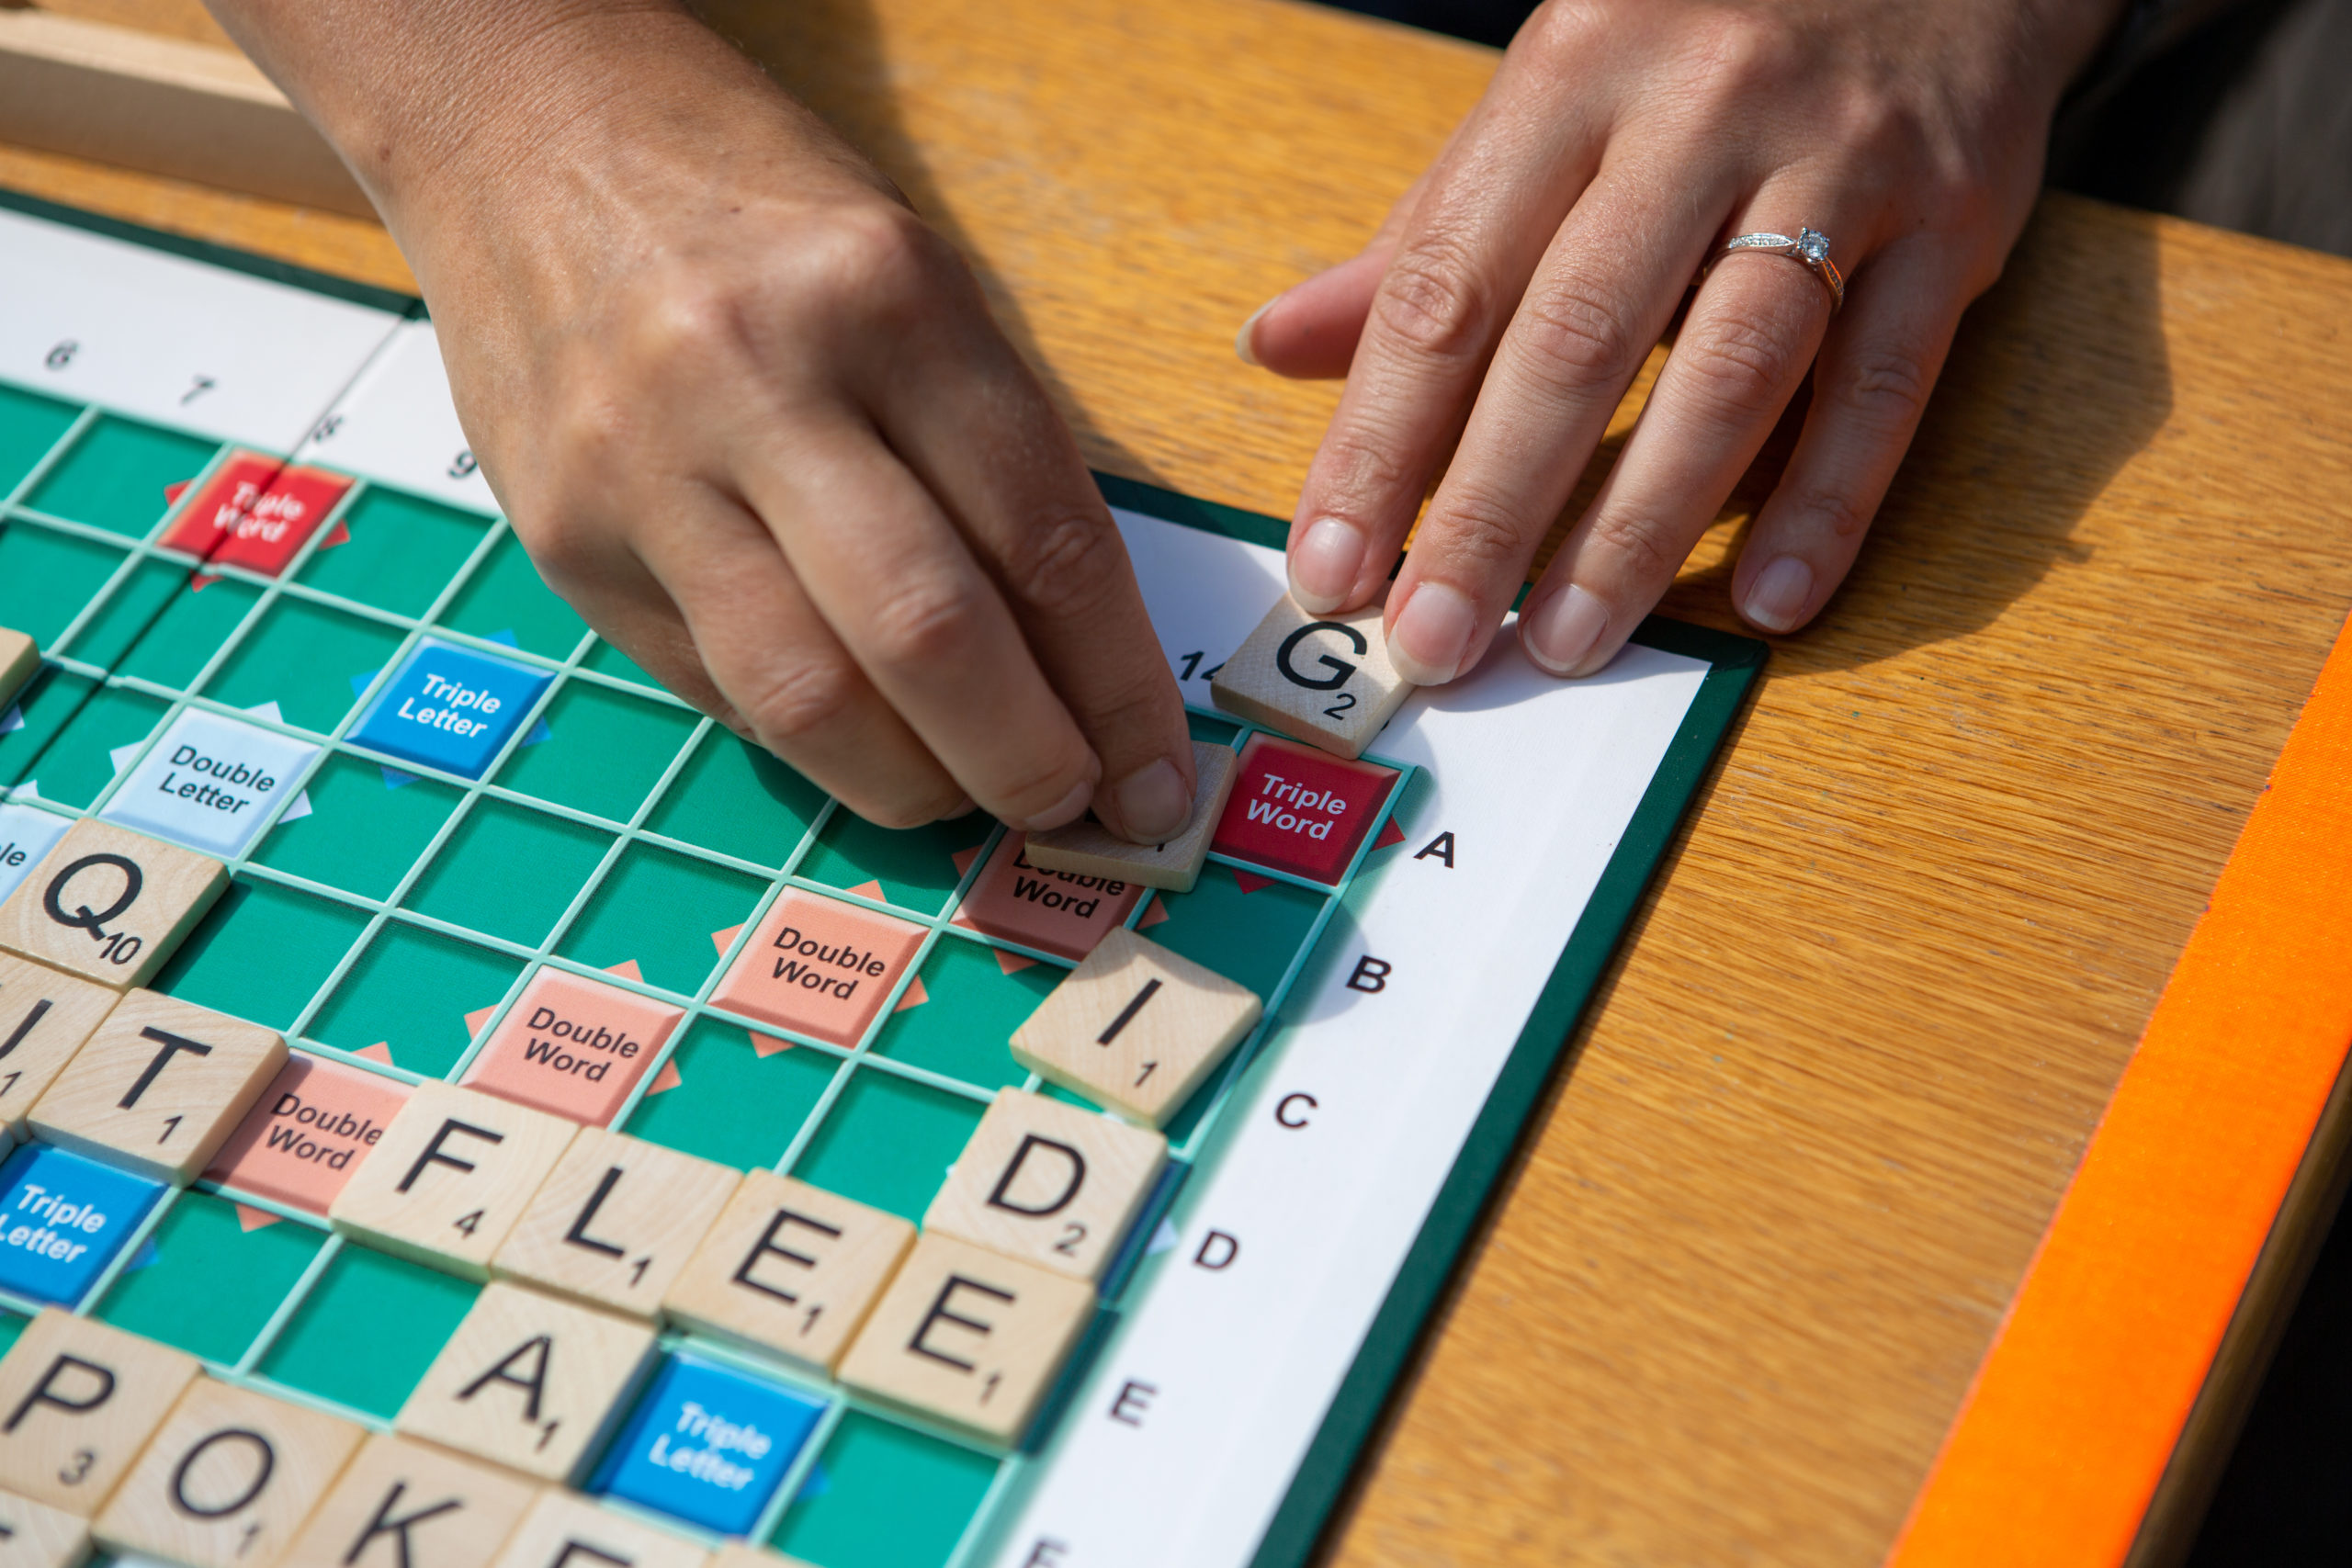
[34,1535]
[227,1480]
[1135,1027]
[969,1337]
[404,1505]
[528,1380]
[1088,848]
[788,1268]
[1327,682]
[19,657]
[78,1400]
[616,1221]
[108,904]
[44,1017]
[1048,1183]
[452,1173]
[566,1531]
[159,1087]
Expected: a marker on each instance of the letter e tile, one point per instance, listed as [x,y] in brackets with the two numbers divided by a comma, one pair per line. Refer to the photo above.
[1048,1183]
[567,1531]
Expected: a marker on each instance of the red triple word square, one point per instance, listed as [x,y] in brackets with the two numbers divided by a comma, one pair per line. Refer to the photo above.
[1300,810]
[256,513]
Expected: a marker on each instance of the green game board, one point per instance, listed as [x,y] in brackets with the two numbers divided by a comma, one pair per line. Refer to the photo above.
[390,920]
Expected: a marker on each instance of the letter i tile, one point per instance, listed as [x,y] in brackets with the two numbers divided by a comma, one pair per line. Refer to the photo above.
[819,965]
[44,1018]
[1048,1183]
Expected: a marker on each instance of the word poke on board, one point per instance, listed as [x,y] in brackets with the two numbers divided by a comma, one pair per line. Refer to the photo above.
[427,1041]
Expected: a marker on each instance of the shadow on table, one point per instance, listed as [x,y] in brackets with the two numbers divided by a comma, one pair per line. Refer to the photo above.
[830,54]
[2058,378]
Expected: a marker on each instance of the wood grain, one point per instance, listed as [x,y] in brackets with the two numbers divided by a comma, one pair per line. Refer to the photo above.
[1831,1091]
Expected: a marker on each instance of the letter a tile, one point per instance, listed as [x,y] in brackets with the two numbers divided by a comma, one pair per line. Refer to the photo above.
[528,1382]
[78,1400]
[1048,1183]
[403,1504]
[970,1338]
[453,1172]
[108,904]
[1136,1028]
[615,1221]
[1325,681]
[159,1087]
[228,1478]
[1086,848]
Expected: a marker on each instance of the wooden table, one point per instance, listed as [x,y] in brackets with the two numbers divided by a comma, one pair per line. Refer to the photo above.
[1772,1211]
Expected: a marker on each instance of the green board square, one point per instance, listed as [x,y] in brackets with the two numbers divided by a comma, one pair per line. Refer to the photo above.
[888,1141]
[606,659]
[504,597]
[916,866]
[662,909]
[78,763]
[605,750]
[1215,732]
[201,1252]
[48,703]
[29,425]
[732,1104]
[885,1497]
[11,1326]
[261,952]
[130,607]
[364,832]
[367,1330]
[964,1025]
[412,992]
[1249,938]
[195,623]
[114,475]
[46,577]
[735,798]
[304,658]
[509,872]
[401,554]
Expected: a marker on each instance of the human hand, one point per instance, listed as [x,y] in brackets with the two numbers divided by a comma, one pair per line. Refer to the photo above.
[1515,290]
[748,413]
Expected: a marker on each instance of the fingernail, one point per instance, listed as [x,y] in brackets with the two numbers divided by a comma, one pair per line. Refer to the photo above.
[1241,343]
[1776,600]
[1325,565]
[1560,633]
[1432,634]
[1153,803]
[1069,808]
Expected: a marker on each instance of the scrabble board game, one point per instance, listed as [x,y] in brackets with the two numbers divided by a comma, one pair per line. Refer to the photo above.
[433,1038]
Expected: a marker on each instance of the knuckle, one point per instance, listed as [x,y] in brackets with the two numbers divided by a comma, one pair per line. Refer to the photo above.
[683,321]
[1745,362]
[799,700]
[1635,538]
[882,265]
[923,621]
[1431,300]
[1063,563]
[1885,387]
[1574,336]
[1481,531]
[1845,517]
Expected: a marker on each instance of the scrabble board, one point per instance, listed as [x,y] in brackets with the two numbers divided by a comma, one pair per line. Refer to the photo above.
[456,999]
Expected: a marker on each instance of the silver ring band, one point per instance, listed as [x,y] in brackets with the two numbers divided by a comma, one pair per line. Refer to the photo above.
[1809,249]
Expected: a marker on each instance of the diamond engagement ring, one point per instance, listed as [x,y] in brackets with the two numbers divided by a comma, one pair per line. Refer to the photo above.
[1809,249]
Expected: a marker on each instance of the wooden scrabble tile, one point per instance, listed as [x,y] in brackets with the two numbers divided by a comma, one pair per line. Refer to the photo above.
[227,1480]
[404,1505]
[34,1535]
[566,1531]
[451,1175]
[1089,849]
[108,904]
[528,1380]
[19,657]
[1135,1027]
[1048,1183]
[44,1018]
[970,1338]
[615,1221]
[788,1268]
[159,1087]
[1325,681]
[78,1400]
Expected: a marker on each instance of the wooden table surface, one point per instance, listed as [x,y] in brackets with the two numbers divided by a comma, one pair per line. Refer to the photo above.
[1770,1214]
